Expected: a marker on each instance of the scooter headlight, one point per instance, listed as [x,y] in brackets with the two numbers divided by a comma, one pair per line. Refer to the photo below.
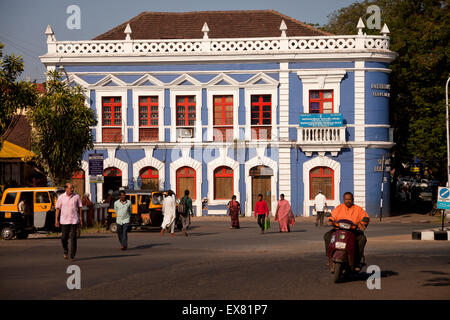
[344,225]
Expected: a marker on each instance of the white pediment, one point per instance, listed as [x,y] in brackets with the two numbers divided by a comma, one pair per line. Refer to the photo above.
[147,80]
[222,79]
[261,79]
[110,80]
[185,79]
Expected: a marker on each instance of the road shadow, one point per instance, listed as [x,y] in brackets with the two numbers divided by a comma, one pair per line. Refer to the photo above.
[147,246]
[438,281]
[363,276]
[108,257]
[200,234]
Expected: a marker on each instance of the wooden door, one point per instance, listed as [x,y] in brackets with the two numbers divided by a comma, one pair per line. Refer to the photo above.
[262,185]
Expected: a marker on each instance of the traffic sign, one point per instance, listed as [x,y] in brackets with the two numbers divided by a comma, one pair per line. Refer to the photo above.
[443,198]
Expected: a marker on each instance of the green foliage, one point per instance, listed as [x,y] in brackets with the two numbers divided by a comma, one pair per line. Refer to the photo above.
[419,34]
[14,94]
[61,123]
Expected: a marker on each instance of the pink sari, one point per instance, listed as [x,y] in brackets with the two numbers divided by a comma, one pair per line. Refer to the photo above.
[284,215]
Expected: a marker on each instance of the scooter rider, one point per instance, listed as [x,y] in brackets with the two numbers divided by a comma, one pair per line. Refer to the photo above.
[354,213]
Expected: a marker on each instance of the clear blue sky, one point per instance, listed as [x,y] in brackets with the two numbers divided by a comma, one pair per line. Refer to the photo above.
[23,22]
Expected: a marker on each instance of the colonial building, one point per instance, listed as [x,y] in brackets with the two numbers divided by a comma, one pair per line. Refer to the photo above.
[234,102]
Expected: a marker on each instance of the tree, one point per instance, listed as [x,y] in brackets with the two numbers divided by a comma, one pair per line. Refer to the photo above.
[61,128]
[419,34]
[14,94]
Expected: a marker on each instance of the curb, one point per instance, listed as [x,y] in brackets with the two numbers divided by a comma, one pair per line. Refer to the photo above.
[432,234]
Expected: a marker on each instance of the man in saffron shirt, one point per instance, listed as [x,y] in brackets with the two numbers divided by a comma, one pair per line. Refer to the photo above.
[261,210]
[354,213]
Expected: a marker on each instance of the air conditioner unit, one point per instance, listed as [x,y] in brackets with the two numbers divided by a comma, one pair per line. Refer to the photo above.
[185,132]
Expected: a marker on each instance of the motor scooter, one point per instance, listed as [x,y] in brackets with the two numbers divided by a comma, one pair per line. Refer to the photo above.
[341,250]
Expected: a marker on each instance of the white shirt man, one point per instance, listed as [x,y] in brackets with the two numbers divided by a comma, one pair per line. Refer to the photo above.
[320,203]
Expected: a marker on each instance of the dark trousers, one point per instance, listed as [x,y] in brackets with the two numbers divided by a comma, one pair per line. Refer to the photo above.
[360,243]
[319,217]
[261,220]
[122,234]
[69,231]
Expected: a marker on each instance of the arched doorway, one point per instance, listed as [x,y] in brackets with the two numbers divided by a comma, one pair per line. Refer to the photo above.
[78,180]
[186,177]
[149,179]
[261,184]
[113,180]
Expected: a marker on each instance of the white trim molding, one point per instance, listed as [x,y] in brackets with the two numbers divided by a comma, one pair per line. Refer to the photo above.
[319,79]
[259,160]
[320,161]
[261,89]
[187,161]
[222,160]
[114,92]
[150,161]
[148,91]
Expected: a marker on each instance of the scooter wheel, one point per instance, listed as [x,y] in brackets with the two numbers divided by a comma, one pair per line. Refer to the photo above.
[337,272]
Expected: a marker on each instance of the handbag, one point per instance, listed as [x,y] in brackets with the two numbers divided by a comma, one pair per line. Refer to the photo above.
[267,224]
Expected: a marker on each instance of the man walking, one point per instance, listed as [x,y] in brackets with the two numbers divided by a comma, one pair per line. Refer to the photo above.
[69,215]
[169,206]
[261,211]
[185,209]
[122,207]
[320,203]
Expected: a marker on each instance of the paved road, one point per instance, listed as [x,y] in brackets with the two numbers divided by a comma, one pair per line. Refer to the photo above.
[215,262]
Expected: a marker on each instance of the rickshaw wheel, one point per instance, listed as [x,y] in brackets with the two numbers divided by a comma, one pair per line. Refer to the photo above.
[7,233]
[113,227]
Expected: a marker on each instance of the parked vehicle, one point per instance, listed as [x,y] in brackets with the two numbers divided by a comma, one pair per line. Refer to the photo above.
[426,195]
[146,208]
[341,251]
[36,213]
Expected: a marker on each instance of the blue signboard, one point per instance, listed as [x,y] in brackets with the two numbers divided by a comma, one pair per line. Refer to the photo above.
[443,198]
[96,164]
[321,120]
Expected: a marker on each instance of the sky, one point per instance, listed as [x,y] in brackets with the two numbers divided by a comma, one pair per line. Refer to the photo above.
[23,22]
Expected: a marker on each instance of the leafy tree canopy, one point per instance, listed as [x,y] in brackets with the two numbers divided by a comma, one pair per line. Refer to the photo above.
[419,32]
[61,128]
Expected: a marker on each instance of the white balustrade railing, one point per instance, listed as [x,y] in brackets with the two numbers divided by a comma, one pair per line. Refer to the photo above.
[231,45]
[317,135]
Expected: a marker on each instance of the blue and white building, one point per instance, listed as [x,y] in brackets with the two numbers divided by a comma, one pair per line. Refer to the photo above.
[289,110]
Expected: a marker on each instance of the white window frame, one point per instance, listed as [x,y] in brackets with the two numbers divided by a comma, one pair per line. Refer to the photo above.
[139,92]
[113,92]
[222,91]
[197,92]
[267,90]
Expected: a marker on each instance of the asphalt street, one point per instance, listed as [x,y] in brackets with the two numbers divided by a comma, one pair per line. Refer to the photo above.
[215,262]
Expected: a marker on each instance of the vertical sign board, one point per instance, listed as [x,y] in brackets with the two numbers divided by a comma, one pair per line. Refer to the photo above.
[96,167]
[443,201]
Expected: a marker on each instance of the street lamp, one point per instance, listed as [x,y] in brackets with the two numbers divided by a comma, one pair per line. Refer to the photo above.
[448,139]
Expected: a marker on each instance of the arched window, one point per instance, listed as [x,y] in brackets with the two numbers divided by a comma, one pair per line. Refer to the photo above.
[186,180]
[223,183]
[321,178]
[78,179]
[149,178]
[112,172]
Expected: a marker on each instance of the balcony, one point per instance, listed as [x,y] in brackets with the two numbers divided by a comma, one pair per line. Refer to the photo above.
[321,139]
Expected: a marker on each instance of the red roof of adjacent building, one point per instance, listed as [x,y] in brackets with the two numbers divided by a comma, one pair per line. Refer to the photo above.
[222,24]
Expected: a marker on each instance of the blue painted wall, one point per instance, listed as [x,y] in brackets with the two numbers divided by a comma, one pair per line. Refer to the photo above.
[376,108]
[373,184]
[347,107]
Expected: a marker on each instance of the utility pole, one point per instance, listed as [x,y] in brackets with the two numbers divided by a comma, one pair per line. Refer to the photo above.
[448,139]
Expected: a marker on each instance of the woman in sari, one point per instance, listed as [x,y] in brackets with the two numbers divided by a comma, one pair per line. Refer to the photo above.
[284,215]
[234,209]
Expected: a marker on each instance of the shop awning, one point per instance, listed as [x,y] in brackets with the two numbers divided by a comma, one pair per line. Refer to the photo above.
[10,150]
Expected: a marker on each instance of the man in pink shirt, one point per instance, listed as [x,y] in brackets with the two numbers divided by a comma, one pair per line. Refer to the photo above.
[261,211]
[69,207]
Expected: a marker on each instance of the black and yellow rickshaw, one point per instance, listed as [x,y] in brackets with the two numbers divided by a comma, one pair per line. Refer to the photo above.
[146,209]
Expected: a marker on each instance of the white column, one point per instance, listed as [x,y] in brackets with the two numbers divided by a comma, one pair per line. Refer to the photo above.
[284,160]
[359,158]
[359,176]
